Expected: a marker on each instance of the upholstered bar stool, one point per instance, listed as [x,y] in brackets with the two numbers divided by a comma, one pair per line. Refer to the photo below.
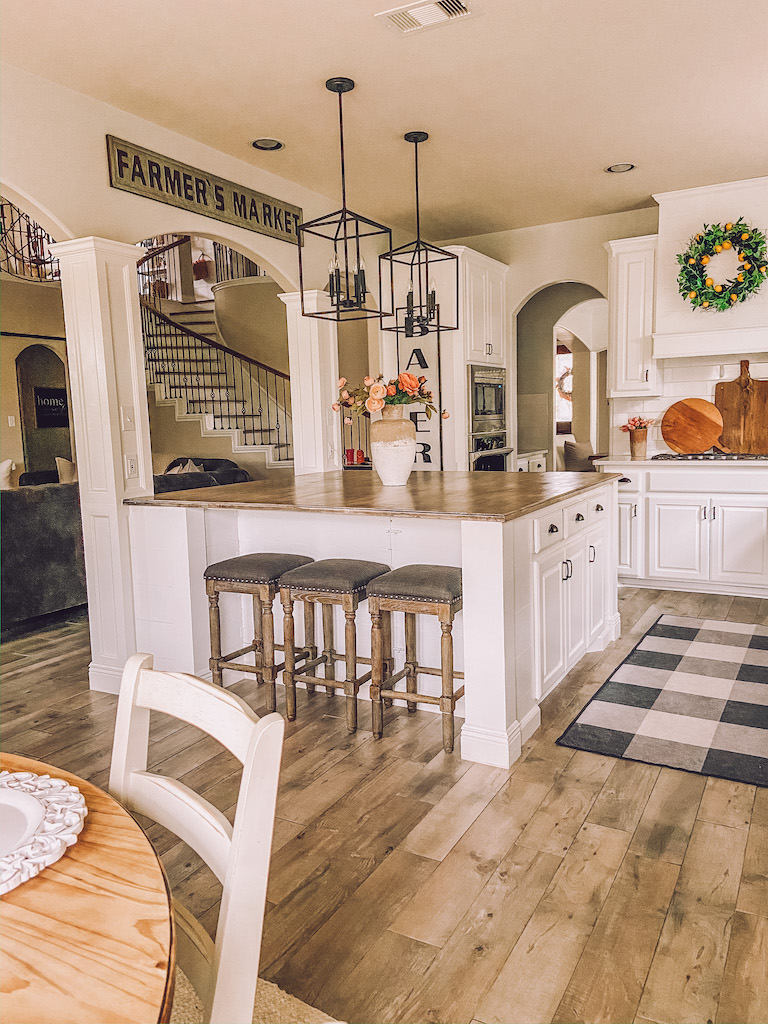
[255,574]
[414,590]
[327,582]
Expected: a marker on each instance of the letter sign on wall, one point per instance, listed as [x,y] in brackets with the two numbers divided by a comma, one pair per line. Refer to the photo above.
[51,407]
[138,170]
[421,357]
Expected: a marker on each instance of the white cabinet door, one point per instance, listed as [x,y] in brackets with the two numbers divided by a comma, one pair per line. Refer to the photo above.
[476,313]
[632,367]
[629,537]
[596,603]
[739,540]
[575,607]
[496,318]
[549,574]
[678,538]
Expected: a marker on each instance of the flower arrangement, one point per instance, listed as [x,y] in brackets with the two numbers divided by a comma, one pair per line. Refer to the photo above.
[374,394]
[636,423]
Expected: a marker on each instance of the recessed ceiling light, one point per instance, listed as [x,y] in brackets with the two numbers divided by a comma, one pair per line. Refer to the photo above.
[268,144]
[614,168]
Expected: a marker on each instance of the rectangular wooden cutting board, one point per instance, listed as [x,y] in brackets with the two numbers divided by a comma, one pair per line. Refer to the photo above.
[743,404]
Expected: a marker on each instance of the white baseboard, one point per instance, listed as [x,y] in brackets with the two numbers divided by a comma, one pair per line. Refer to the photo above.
[497,748]
[104,678]
[530,723]
[695,587]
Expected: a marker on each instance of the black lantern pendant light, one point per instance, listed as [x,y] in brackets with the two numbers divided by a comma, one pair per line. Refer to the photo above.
[344,230]
[412,276]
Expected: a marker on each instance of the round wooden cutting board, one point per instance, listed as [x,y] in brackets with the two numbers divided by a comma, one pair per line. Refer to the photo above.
[692,426]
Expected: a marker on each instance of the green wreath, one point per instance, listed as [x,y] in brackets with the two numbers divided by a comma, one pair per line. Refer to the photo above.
[750,246]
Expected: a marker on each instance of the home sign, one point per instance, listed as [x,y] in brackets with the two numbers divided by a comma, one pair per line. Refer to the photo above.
[51,407]
[138,170]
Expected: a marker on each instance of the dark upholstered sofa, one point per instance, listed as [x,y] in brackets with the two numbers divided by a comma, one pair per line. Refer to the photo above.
[214,472]
[42,564]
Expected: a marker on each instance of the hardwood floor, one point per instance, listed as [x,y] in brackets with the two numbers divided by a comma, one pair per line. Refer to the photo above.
[409,886]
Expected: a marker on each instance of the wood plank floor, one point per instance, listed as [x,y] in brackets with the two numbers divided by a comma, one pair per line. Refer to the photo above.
[409,886]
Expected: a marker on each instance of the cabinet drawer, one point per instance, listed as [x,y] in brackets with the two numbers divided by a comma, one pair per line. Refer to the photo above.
[537,465]
[576,518]
[629,481]
[522,467]
[598,508]
[547,529]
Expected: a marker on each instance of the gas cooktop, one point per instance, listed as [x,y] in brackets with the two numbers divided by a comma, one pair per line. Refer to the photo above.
[713,453]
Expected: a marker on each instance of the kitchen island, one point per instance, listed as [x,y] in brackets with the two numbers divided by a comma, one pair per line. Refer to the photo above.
[537,553]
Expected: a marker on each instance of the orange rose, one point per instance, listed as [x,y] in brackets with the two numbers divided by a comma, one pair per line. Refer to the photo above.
[378,390]
[368,381]
[391,389]
[408,383]
[342,381]
[374,404]
[335,406]
[446,414]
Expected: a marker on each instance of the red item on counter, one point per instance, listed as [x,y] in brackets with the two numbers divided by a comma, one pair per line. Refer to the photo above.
[349,456]
[360,457]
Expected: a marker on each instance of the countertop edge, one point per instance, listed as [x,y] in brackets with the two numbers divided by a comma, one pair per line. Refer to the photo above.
[167,500]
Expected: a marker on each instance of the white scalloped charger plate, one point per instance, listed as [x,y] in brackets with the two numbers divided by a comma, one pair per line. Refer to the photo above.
[40,817]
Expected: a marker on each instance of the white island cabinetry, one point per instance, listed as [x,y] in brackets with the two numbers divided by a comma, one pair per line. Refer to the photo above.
[695,525]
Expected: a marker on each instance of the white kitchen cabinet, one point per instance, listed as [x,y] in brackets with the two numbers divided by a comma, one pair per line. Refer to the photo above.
[575,603]
[597,585]
[738,528]
[678,537]
[631,366]
[482,311]
[629,536]
[549,574]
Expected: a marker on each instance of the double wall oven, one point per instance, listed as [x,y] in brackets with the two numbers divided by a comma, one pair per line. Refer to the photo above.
[488,449]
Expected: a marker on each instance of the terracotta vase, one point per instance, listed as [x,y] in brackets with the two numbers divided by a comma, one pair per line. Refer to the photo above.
[638,441]
[393,445]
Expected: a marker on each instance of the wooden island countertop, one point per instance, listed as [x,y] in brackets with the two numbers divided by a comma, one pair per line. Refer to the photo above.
[485,497]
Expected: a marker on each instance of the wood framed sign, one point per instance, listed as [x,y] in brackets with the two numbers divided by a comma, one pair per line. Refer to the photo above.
[145,173]
[51,407]
[421,357]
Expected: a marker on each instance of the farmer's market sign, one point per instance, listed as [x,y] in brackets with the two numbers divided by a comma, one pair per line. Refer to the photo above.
[138,170]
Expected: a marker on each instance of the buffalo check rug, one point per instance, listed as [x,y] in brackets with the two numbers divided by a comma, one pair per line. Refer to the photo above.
[693,694]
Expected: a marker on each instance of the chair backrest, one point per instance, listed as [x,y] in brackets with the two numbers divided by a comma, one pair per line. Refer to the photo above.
[224,974]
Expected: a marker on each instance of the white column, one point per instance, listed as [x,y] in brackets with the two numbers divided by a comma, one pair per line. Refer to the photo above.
[313,354]
[491,732]
[105,354]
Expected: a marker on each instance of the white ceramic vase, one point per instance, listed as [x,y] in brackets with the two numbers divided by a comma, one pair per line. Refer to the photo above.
[393,446]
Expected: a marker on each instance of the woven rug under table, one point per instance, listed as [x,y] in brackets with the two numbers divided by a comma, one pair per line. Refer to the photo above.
[693,694]
[272,1006]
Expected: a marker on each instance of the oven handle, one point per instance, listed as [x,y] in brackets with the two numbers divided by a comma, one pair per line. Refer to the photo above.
[474,456]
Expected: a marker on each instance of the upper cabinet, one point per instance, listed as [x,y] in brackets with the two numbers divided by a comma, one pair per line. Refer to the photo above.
[631,366]
[482,311]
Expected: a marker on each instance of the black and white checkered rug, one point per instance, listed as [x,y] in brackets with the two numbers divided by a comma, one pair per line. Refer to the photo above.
[693,694]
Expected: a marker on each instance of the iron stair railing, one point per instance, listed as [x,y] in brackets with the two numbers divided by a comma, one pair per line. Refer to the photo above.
[24,246]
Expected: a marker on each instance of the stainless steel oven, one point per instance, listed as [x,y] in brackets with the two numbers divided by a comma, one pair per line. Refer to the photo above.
[488,449]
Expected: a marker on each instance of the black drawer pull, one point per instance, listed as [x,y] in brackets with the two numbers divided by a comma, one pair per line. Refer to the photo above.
[599,508]
[579,517]
[624,480]
[553,528]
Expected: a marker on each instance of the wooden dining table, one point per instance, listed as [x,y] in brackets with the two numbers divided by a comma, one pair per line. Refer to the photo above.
[90,939]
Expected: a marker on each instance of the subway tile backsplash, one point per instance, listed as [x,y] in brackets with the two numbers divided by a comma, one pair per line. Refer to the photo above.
[679,378]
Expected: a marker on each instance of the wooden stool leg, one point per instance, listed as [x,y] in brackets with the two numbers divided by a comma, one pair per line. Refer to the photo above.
[290,657]
[446,701]
[309,637]
[268,650]
[386,634]
[350,656]
[411,662]
[377,670]
[258,638]
[214,619]
[329,668]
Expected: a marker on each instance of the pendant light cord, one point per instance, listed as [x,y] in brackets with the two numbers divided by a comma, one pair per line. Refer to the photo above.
[341,147]
[416,175]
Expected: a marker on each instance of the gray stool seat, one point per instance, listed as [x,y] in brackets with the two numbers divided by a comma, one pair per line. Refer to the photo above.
[429,583]
[259,567]
[333,575]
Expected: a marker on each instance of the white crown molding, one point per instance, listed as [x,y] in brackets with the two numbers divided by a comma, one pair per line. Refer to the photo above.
[636,244]
[734,341]
[709,190]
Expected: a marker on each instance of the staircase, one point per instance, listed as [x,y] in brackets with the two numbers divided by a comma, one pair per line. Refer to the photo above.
[229,393]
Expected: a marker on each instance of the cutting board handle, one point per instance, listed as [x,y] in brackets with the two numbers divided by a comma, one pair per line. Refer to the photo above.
[744,379]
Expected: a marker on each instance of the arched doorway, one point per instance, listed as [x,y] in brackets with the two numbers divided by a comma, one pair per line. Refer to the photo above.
[536,361]
[44,407]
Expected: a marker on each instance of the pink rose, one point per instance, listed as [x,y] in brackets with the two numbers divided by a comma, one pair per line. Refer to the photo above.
[378,391]
[345,394]
[347,420]
[374,404]
[335,406]
[446,414]
[368,381]
[342,381]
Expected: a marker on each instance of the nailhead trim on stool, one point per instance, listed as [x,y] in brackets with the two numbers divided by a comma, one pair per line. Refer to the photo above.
[414,590]
[327,582]
[255,574]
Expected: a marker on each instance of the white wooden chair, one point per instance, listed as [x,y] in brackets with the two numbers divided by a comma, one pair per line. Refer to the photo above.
[223,974]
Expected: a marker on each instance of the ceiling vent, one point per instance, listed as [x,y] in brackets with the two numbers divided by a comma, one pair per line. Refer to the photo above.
[424,14]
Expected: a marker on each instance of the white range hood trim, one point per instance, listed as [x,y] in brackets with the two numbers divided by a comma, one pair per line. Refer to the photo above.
[738,341]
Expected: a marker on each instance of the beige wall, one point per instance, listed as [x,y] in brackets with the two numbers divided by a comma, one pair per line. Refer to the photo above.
[251,320]
[28,308]
[353,351]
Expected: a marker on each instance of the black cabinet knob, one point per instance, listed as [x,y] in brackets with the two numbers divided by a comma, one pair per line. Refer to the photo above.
[579,517]
[553,528]
[599,508]
[624,480]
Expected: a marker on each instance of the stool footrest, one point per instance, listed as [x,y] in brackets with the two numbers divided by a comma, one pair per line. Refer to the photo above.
[412,698]
[236,654]
[396,676]
[435,672]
